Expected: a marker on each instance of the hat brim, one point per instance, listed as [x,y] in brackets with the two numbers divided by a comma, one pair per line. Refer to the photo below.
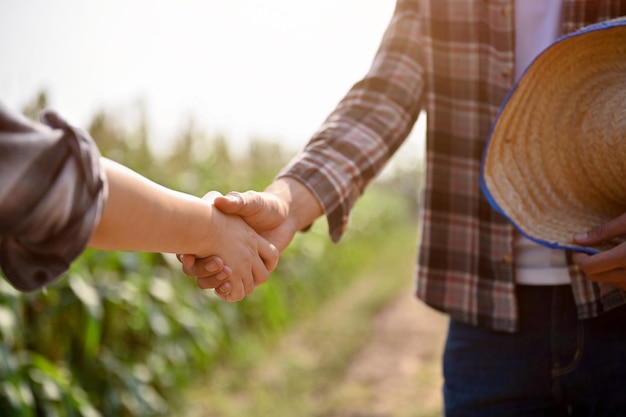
[555,161]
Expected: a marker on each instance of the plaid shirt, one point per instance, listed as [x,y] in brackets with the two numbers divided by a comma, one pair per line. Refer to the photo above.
[455,59]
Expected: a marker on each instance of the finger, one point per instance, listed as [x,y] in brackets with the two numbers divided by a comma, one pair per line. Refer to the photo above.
[231,203]
[615,277]
[248,281]
[185,259]
[211,195]
[223,291]
[205,267]
[213,264]
[602,233]
[223,297]
[213,281]
[259,272]
[269,254]
[237,292]
[224,274]
[244,204]
[207,283]
[189,270]
[228,291]
[601,262]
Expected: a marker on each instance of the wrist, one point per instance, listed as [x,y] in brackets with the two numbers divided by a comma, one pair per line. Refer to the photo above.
[303,207]
[207,230]
[195,226]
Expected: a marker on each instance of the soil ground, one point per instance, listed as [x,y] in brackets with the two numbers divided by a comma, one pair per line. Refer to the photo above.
[397,373]
[373,350]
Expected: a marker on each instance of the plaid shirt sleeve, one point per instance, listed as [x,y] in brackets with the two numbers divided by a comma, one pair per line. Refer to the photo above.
[368,125]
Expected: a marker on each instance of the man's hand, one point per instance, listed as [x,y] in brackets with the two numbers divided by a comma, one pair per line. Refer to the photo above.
[265,212]
[608,266]
[277,214]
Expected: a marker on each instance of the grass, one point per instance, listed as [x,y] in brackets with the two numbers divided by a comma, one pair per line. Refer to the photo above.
[299,374]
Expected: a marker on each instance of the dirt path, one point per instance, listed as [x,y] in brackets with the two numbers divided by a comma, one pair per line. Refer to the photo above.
[373,350]
[397,373]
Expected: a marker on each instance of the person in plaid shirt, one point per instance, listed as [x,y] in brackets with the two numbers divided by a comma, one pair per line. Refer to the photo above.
[515,346]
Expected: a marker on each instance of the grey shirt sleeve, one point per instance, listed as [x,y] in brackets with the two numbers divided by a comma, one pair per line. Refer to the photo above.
[52,192]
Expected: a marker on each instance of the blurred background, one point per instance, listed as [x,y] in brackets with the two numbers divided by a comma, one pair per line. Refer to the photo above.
[243,68]
[216,95]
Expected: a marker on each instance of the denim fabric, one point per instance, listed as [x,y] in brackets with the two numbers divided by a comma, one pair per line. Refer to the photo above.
[556,365]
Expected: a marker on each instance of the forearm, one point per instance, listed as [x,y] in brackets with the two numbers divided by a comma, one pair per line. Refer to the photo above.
[141,215]
[304,207]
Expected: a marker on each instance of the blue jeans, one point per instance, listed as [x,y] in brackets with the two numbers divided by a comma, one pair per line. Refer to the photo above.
[556,365]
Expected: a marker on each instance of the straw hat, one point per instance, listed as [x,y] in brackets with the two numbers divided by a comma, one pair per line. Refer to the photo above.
[555,162]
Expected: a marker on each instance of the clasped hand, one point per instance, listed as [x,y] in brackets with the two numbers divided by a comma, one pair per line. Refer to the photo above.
[264,212]
[276,214]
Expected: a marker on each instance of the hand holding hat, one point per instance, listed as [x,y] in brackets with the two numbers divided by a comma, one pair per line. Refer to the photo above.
[607,266]
[555,162]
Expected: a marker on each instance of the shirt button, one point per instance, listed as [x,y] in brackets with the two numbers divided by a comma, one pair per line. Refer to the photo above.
[508,258]
[506,72]
[506,11]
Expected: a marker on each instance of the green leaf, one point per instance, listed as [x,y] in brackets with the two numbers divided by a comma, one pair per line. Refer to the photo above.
[87,294]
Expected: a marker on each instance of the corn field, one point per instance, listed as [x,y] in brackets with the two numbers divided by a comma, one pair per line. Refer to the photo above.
[124,334]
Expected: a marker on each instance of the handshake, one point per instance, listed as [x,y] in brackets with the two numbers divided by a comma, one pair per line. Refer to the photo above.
[254,228]
[61,196]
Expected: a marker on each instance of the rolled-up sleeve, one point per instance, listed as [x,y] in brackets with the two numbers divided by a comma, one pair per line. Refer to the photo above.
[356,141]
[52,193]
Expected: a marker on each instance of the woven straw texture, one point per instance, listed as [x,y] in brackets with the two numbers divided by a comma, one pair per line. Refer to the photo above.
[556,160]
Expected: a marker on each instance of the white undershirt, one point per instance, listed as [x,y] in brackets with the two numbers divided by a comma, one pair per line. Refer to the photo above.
[537,25]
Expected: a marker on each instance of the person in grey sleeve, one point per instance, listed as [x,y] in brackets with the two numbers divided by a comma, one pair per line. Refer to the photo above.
[58,196]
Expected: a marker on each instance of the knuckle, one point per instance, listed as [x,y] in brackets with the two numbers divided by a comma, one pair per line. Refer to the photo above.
[598,231]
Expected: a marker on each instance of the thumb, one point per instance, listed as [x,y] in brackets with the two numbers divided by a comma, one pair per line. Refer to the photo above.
[262,211]
[235,203]
[590,237]
[604,232]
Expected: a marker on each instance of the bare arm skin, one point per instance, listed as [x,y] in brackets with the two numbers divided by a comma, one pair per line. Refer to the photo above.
[141,215]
